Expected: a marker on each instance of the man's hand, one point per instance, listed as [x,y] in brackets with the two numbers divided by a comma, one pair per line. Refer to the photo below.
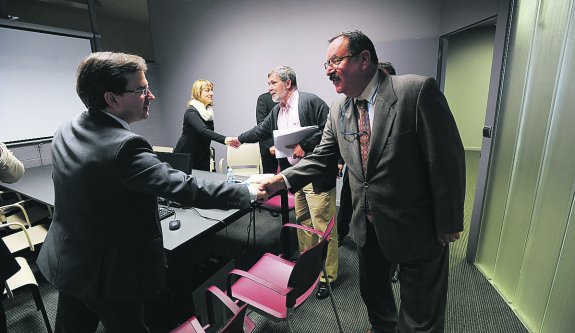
[233,141]
[273,150]
[298,152]
[272,184]
[262,195]
[445,239]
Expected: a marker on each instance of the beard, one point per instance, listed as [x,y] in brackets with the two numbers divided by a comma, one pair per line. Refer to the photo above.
[278,97]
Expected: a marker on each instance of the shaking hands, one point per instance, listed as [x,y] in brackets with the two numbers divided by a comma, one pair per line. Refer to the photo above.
[233,141]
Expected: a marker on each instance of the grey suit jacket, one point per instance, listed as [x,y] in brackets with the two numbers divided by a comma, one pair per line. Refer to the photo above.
[105,239]
[312,111]
[415,180]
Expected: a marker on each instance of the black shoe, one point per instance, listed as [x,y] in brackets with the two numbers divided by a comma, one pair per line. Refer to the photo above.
[322,291]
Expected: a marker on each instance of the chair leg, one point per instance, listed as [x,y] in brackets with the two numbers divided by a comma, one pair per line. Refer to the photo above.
[253,221]
[40,306]
[288,319]
[332,300]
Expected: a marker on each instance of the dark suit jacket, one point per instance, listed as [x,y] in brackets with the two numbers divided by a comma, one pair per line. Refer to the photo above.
[415,179]
[105,239]
[312,111]
[196,138]
[264,106]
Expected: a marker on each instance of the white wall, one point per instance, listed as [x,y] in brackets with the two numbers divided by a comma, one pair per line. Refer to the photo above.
[235,43]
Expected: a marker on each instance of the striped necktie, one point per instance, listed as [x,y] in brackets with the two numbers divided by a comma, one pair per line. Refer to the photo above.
[365,130]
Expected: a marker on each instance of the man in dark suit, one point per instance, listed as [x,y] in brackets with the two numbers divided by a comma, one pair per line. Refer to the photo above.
[104,250]
[264,106]
[314,203]
[408,188]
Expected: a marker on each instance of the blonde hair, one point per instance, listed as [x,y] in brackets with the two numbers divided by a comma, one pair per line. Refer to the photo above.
[197,88]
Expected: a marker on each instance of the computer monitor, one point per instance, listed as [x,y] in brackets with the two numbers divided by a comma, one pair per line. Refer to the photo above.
[179,161]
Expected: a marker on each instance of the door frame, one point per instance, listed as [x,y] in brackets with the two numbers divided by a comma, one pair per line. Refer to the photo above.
[499,62]
[500,48]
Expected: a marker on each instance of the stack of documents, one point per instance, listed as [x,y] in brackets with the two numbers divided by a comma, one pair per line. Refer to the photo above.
[285,140]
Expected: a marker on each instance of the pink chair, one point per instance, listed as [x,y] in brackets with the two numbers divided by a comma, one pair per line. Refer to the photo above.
[234,325]
[275,286]
[274,205]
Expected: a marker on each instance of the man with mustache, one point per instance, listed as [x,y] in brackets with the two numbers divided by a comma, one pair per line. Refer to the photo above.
[315,202]
[406,168]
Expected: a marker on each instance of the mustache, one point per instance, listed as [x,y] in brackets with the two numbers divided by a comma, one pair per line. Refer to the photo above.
[333,77]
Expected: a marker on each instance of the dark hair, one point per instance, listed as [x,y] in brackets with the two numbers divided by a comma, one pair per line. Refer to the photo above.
[284,73]
[387,66]
[101,72]
[357,41]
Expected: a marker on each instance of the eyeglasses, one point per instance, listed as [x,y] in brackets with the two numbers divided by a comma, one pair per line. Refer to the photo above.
[140,91]
[335,61]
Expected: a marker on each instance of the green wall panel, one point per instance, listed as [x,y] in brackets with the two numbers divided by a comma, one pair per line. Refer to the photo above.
[469,56]
[505,141]
[527,237]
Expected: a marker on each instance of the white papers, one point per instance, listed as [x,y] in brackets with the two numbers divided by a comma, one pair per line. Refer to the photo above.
[286,139]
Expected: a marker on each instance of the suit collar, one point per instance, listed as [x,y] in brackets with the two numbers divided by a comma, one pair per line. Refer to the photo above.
[384,116]
[106,118]
[371,89]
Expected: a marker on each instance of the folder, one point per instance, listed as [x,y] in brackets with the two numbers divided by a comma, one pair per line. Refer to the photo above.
[286,139]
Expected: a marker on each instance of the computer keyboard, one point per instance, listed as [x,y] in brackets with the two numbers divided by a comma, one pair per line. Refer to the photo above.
[165,212]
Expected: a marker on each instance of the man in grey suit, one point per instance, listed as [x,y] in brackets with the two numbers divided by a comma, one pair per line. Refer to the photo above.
[314,203]
[407,190]
[104,250]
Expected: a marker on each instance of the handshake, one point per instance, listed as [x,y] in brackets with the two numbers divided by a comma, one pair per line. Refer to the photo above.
[233,141]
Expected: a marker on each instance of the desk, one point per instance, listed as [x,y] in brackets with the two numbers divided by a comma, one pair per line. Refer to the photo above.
[197,222]
[37,184]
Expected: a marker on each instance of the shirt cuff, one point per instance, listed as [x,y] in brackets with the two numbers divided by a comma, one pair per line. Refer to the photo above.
[285,181]
[253,193]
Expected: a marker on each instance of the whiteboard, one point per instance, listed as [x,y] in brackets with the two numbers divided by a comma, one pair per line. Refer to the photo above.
[38,82]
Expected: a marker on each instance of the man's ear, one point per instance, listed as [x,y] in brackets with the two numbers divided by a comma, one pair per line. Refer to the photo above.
[288,83]
[111,98]
[365,57]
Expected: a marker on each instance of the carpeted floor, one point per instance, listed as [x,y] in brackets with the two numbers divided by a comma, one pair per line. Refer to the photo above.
[473,304]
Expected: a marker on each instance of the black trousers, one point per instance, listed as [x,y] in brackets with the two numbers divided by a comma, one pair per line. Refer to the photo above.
[269,164]
[345,208]
[423,290]
[75,315]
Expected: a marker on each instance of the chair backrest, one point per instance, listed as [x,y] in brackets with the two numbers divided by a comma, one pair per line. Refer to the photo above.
[309,264]
[306,271]
[234,325]
[244,160]
[178,161]
[192,325]
[327,232]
